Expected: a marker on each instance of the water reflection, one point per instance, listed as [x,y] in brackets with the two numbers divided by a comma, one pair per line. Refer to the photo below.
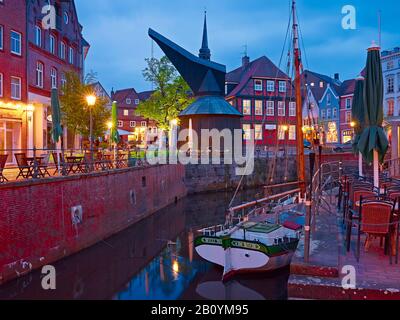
[154,259]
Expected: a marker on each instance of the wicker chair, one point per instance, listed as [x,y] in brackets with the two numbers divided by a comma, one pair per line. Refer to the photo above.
[375,218]
[3,161]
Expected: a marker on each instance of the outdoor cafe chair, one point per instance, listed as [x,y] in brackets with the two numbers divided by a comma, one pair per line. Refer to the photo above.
[376,219]
[25,170]
[3,161]
[44,165]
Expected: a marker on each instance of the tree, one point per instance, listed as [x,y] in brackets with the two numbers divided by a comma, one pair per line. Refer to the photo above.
[75,111]
[171,96]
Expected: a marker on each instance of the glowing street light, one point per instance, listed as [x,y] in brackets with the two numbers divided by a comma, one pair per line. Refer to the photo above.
[91,101]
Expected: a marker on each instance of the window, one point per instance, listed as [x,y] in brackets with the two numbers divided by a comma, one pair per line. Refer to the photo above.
[132,124]
[258,108]
[62,50]
[137,101]
[348,117]
[120,123]
[38,36]
[270,86]
[247,107]
[53,76]
[282,132]
[282,86]
[258,132]
[1,37]
[321,84]
[63,80]
[390,112]
[15,88]
[328,113]
[143,124]
[334,113]
[390,65]
[292,109]
[246,132]
[39,74]
[128,101]
[1,84]
[390,84]
[258,85]
[71,55]
[328,99]
[292,132]
[270,108]
[66,18]
[323,114]
[52,46]
[348,103]
[126,112]
[16,45]
[281,109]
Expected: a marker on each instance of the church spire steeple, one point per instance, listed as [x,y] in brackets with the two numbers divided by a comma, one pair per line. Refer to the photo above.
[205,52]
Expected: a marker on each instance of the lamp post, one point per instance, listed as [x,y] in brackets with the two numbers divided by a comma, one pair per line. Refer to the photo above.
[91,101]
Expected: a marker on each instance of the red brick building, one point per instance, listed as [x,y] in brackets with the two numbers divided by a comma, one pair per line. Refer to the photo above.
[128,120]
[15,114]
[52,53]
[346,93]
[265,96]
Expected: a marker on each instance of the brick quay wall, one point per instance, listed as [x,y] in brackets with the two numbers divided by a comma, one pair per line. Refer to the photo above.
[49,219]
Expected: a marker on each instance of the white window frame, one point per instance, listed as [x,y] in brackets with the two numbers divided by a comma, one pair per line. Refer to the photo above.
[143,124]
[270,86]
[126,112]
[137,101]
[38,36]
[292,132]
[270,107]
[19,87]
[132,124]
[16,41]
[39,74]
[52,44]
[1,37]
[348,103]
[281,108]
[246,131]
[63,49]
[53,77]
[71,55]
[258,111]
[282,86]
[120,124]
[259,136]
[292,109]
[258,85]
[248,107]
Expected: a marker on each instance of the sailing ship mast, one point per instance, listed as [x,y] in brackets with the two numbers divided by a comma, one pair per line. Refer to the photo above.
[297,63]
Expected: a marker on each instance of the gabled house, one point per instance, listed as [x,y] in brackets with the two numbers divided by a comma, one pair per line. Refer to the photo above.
[265,96]
[138,127]
[102,93]
[346,100]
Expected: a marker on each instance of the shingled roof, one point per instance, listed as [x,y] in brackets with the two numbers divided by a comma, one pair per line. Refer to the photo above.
[310,77]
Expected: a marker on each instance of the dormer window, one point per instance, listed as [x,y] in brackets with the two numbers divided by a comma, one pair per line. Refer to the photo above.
[128,101]
[321,84]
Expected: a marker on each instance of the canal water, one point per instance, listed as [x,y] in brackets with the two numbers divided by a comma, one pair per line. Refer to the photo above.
[154,260]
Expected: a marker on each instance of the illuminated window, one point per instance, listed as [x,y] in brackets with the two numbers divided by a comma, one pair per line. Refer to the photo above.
[281,132]
[292,132]
[258,132]
[247,107]
[258,108]
[144,124]
[132,124]
[246,132]
[126,112]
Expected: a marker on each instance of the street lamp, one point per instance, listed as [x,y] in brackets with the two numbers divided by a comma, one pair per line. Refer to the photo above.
[91,101]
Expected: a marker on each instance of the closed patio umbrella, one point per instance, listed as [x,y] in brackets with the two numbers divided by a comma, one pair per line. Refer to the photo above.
[56,131]
[358,116]
[114,134]
[373,142]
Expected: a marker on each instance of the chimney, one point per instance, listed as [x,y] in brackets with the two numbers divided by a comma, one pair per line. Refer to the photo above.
[337,76]
[112,93]
[245,61]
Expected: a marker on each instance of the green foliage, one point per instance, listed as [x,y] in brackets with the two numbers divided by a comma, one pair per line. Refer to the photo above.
[171,96]
[75,111]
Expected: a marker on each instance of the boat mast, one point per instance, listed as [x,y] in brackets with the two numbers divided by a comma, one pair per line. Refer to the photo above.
[297,63]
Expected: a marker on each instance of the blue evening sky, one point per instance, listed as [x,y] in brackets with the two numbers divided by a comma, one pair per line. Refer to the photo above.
[117,31]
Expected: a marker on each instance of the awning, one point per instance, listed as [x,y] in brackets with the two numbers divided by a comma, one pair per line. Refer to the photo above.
[270,127]
[121,132]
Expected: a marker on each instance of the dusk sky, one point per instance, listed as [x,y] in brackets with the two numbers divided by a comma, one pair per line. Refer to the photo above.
[117,32]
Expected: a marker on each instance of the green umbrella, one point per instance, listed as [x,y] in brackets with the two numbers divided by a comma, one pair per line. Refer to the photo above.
[56,131]
[373,142]
[357,112]
[114,135]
